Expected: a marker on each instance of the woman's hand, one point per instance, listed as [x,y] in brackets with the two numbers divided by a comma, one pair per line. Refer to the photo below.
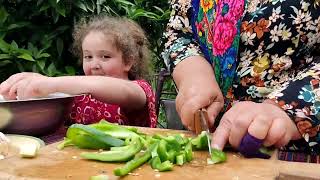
[24,85]
[264,121]
[197,89]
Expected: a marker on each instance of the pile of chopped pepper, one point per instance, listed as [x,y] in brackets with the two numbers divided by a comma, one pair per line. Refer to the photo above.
[126,144]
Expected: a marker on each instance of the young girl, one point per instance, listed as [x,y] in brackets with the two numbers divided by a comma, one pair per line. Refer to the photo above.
[114,53]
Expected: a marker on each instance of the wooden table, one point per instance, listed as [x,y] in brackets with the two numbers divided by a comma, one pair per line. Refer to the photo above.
[54,164]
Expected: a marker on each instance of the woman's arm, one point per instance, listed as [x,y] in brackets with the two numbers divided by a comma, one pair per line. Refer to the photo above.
[197,89]
[192,73]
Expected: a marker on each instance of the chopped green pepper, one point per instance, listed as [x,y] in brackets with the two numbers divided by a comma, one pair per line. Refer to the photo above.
[163,153]
[165,166]
[201,141]
[114,130]
[181,158]
[116,156]
[135,163]
[188,152]
[66,142]
[100,177]
[218,156]
[85,136]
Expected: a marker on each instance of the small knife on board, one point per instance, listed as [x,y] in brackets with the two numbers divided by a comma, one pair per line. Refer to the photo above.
[201,124]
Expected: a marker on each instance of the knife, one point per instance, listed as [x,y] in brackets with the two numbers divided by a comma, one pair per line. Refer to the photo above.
[203,119]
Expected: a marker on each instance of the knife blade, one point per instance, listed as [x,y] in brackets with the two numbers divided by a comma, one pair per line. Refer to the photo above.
[204,118]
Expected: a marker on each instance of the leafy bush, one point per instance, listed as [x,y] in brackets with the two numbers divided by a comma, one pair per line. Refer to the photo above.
[35,35]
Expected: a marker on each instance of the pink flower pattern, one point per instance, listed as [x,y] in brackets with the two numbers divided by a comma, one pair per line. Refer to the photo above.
[225,26]
[224,33]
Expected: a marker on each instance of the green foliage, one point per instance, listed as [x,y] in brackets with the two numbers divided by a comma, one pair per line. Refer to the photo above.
[35,35]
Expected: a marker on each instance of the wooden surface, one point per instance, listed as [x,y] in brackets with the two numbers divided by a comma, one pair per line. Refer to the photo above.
[54,164]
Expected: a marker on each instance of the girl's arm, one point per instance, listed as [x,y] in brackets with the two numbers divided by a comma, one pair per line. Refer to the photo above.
[125,93]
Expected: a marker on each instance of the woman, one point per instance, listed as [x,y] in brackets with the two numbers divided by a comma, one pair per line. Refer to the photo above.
[259,52]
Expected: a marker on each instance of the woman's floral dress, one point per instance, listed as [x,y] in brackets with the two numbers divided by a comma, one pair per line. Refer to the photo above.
[88,110]
[259,49]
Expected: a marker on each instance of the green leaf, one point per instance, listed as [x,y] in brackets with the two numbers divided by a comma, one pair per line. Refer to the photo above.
[3,15]
[61,9]
[5,56]
[44,7]
[41,64]
[70,70]
[51,69]
[18,25]
[39,2]
[44,55]
[14,45]
[125,2]
[4,47]
[60,45]
[4,63]
[159,9]
[55,16]
[82,6]
[26,57]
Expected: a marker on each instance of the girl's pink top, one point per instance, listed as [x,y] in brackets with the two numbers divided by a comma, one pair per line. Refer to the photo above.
[88,110]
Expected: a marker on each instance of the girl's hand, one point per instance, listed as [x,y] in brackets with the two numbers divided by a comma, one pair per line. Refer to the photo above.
[197,89]
[24,85]
[262,120]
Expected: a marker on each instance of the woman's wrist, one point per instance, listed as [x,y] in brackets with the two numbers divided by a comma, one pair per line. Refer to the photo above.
[193,68]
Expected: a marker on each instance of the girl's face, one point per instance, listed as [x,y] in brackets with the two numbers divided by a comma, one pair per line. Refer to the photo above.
[101,57]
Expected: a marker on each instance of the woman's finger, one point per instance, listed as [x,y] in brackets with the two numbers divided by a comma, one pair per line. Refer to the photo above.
[276,132]
[260,126]
[179,103]
[239,127]
[213,110]
[283,141]
[189,110]
[221,135]
[286,131]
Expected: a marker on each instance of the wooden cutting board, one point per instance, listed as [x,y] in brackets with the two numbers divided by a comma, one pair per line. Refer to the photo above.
[54,164]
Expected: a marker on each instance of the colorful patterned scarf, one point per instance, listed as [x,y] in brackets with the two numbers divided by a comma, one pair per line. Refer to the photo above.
[216,26]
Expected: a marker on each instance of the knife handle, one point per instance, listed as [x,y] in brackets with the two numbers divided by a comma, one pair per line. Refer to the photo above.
[197,122]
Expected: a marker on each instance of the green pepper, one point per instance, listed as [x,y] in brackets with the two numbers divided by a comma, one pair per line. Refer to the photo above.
[117,155]
[100,177]
[181,158]
[135,163]
[172,143]
[114,130]
[200,142]
[188,151]
[66,142]
[85,136]
[165,166]
[218,156]
[181,139]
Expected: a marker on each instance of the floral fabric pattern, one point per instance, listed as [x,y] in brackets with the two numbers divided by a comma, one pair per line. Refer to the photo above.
[265,51]
[88,110]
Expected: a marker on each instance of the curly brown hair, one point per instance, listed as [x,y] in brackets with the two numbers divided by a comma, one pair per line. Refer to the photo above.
[127,36]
